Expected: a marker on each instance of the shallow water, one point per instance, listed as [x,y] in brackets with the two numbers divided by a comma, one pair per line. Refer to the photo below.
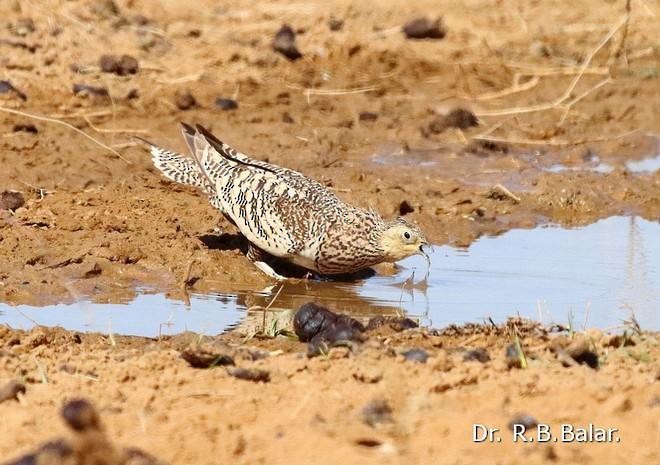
[595,276]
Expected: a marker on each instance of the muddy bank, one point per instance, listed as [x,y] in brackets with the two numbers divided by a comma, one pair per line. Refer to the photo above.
[394,396]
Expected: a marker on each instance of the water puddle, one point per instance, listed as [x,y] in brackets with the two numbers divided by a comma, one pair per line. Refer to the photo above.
[595,276]
[643,166]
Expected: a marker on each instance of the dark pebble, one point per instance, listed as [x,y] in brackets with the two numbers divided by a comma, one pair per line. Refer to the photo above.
[133,94]
[120,65]
[368,116]
[200,357]
[185,100]
[457,118]
[416,355]
[25,127]
[527,421]
[86,89]
[284,42]
[80,415]
[377,412]
[226,104]
[11,200]
[286,118]
[250,374]
[398,324]
[405,208]
[313,320]
[424,28]
[11,390]
[335,24]
[478,355]
[7,87]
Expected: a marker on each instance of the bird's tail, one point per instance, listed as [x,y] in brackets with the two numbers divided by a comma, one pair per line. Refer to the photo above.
[177,167]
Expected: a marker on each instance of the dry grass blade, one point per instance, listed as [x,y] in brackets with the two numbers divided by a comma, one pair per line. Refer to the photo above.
[65,124]
[112,131]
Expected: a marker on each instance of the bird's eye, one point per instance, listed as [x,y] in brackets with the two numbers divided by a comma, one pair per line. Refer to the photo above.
[406,235]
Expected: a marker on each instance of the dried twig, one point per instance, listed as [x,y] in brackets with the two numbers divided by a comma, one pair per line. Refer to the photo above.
[63,123]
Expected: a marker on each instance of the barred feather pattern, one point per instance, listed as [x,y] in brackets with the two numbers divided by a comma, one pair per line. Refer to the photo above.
[278,210]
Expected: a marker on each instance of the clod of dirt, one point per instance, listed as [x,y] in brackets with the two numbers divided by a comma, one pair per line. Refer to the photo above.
[90,444]
[618,340]
[425,28]
[314,322]
[11,200]
[405,208]
[185,100]
[6,87]
[416,355]
[527,421]
[396,323]
[25,127]
[368,116]
[284,42]
[226,104]
[11,390]
[483,147]
[580,351]
[203,356]
[286,118]
[250,374]
[377,412]
[457,118]
[120,65]
[133,94]
[86,89]
[335,24]
[479,355]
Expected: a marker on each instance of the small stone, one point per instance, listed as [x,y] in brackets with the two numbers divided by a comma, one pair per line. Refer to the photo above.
[284,42]
[580,351]
[368,116]
[479,355]
[23,27]
[6,87]
[25,127]
[405,208]
[286,118]
[377,412]
[85,89]
[250,374]
[226,104]
[395,323]
[416,355]
[133,94]
[120,65]
[11,390]
[524,420]
[11,200]
[201,356]
[457,118]
[335,24]
[185,100]
[424,28]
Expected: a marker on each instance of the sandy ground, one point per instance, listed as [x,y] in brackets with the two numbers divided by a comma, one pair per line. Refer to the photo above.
[364,111]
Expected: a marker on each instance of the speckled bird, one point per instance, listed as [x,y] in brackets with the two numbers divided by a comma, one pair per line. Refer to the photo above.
[285,214]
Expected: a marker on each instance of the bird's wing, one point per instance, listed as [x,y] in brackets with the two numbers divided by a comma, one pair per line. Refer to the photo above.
[277,209]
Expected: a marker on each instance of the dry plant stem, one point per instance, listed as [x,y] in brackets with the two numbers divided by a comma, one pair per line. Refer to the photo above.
[63,123]
[616,53]
[112,131]
[558,103]
[554,142]
[514,89]
[263,321]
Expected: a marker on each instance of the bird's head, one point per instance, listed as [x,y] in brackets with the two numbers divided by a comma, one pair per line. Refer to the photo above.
[401,239]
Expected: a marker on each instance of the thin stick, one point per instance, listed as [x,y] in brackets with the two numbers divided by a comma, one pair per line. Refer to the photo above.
[554,142]
[514,89]
[63,123]
[263,322]
[113,131]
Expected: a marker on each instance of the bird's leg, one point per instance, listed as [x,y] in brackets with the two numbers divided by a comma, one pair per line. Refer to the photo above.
[259,258]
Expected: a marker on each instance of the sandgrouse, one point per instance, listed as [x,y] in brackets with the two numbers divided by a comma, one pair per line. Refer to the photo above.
[285,214]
